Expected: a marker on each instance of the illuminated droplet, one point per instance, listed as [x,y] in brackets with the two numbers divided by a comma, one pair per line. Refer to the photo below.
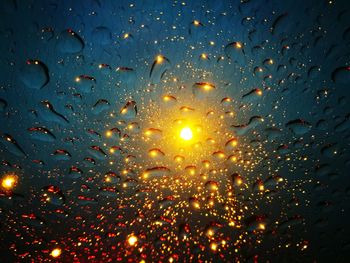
[34,74]
[160,65]
[9,181]
[194,203]
[169,100]
[129,111]
[153,133]
[132,240]
[202,89]
[155,153]
[156,172]
[179,158]
[237,179]
[69,42]
[56,252]
[231,144]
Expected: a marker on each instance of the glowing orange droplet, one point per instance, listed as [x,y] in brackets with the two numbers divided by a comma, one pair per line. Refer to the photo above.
[204,56]
[159,59]
[168,98]
[196,22]
[179,158]
[261,187]
[56,252]
[9,181]
[132,240]
[259,92]
[213,246]
[262,226]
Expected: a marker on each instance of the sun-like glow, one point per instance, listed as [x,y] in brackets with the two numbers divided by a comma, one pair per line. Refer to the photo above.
[8,182]
[132,240]
[56,252]
[186,133]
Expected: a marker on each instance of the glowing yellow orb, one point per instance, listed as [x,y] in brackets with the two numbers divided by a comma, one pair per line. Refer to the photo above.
[8,182]
[132,240]
[186,134]
[56,252]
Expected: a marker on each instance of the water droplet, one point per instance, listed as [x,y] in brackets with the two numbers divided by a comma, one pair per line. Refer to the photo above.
[299,126]
[156,172]
[101,35]
[69,42]
[126,78]
[41,134]
[100,106]
[11,145]
[61,155]
[53,195]
[160,65]
[129,110]
[341,75]
[85,83]
[34,74]
[202,89]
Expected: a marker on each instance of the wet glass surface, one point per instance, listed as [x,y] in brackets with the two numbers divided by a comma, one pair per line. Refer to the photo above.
[174,131]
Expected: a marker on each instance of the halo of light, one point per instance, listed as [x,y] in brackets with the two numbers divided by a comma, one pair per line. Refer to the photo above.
[186,133]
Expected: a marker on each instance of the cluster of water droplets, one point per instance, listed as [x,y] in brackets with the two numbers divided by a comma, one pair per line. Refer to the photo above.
[92,102]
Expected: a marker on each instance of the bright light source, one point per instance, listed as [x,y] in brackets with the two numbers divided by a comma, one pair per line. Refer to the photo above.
[132,240]
[159,59]
[56,252]
[186,134]
[8,181]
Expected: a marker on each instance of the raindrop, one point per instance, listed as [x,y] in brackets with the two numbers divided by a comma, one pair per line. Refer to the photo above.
[97,152]
[160,65]
[85,83]
[53,195]
[69,42]
[252,96]
[11,145]
[341,75]
[41,134]
[61,155]
[48,113]
[126,78]
[202,89]
[235,52]
[129,110]
[101,35]
[75,172]
[155,172]
[34,74]
[100,106]
[299,126]
[153,133]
